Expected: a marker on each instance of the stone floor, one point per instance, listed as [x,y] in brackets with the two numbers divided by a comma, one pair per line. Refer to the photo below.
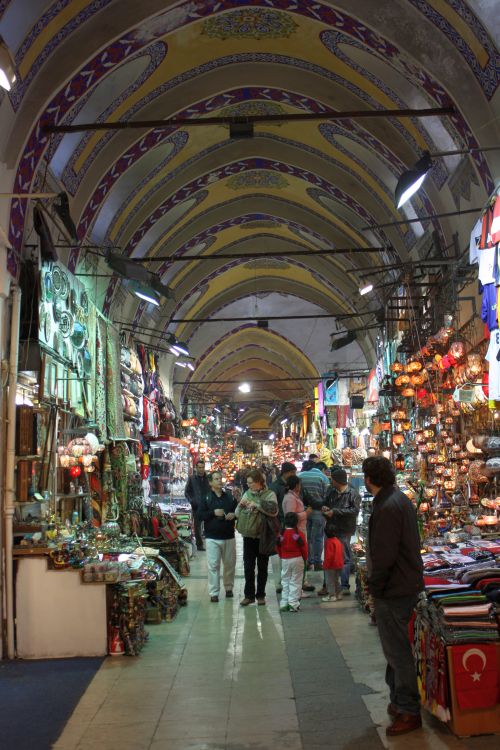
[225,677]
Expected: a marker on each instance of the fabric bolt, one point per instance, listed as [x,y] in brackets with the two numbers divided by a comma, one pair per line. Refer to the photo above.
[220,551]
[489,306]
[332,582]
[114,408]
[292,571]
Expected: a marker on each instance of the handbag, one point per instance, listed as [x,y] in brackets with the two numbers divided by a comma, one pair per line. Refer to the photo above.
[269,533]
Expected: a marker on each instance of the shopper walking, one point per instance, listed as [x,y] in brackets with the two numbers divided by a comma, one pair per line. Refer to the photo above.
[332,564]
[196,489]
[217,512]
[292,549]
[395,579]
[343,503]
[257,503]
[316,484]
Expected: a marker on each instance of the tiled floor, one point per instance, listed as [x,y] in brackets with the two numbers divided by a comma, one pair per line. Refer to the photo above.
[223,677]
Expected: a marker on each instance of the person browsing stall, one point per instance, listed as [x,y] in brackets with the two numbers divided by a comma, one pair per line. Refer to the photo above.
[395,580]
[341,509]
[217,512]
[196,489]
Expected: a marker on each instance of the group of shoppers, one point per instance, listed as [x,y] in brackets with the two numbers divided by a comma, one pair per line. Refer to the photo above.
[395,570]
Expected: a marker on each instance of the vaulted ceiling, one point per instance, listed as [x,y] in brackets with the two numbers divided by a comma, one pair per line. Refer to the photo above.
[294,186]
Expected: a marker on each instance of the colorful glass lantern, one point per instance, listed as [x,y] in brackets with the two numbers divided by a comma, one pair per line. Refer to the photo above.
[402,380]
[417,380]
[397,367]
[399,462]
[428,434]
[405,426]
[75,471]
[408,392]
[450,484]
[431,446]
[414,366]
[398,414]
[457,349]
[398,438]
[433,459]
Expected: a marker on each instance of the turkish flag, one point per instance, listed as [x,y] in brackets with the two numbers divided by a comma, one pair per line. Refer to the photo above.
[476,675]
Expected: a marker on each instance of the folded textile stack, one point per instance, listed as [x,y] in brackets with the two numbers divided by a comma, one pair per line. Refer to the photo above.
[463,616]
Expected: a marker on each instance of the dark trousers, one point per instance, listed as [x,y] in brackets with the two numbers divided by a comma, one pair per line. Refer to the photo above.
[346,570]
[393,616]
[198,533]
[251,555]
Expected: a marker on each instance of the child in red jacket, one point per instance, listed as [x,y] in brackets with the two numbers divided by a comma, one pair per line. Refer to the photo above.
[333,562]
[292,549]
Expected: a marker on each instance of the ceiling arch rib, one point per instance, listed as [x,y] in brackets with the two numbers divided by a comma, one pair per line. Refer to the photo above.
[344,25]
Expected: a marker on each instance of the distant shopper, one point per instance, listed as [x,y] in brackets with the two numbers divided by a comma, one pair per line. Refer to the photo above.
[395,579]
[316,484]
[292,549]
[343,503]
[196,489]
[279,487]
[314,458]
[333,562]
[293,503]
[257,503]
[217,512]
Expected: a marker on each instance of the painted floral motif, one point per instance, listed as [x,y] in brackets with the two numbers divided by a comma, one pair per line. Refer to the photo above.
[257,179]
[250,23]
[252,109]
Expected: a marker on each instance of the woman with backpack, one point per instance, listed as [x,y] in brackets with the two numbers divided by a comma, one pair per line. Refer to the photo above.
[255,513]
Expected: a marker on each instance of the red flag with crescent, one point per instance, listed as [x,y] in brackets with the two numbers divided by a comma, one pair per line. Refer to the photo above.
[476,675]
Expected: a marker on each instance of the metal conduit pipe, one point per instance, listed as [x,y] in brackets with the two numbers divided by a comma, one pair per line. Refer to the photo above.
[10,465]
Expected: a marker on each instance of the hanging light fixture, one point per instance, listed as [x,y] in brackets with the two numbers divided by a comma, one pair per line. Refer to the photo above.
[411,180]
[365,289]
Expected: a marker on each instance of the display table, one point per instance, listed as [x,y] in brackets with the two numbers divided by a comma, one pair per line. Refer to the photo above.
[57,615]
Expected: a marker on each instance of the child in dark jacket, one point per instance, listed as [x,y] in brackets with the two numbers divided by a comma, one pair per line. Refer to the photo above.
[333,562]
[292,549]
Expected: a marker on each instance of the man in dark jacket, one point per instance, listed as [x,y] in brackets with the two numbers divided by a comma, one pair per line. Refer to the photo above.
[343,503]
[279,486]
[216,510]
[197,487]
[395,579]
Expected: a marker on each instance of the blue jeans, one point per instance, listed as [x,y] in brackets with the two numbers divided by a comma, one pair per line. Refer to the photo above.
[393,616]
[315,534]
[344,573]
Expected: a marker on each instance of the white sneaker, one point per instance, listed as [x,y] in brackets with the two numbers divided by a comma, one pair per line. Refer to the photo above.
[328,598]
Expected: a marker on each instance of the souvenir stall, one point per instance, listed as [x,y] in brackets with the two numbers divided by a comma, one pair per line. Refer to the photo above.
[85,512]
[438,423]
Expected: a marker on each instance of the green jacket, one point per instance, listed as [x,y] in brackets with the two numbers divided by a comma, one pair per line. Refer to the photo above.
[249,520]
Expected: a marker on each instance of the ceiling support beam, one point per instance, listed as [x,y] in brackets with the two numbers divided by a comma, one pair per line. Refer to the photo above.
[180,122]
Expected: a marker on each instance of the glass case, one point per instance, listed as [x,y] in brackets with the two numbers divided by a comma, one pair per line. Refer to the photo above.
[169,471]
